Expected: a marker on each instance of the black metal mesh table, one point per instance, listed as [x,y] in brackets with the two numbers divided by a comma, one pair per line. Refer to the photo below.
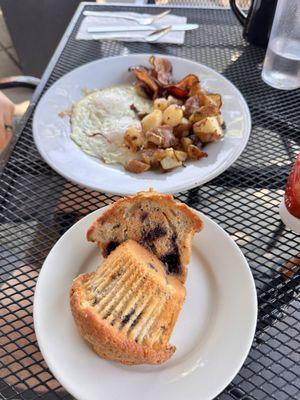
[38,206]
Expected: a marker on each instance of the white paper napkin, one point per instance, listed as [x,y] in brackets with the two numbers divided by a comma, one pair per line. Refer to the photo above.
[171,37]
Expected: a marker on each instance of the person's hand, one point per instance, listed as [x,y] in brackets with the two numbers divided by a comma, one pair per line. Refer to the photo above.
[6,117]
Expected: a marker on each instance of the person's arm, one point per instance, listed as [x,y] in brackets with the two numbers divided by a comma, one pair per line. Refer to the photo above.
[6,117]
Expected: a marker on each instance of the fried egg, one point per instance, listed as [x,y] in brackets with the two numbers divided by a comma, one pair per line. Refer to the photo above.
[100,119]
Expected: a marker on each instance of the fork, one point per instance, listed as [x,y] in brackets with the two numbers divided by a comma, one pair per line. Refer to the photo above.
[151,37]
[141,21]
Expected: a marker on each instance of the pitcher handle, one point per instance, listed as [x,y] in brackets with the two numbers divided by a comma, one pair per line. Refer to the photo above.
[238,12]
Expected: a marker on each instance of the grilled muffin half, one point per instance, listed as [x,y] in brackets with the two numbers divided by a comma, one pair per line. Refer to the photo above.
[128,307]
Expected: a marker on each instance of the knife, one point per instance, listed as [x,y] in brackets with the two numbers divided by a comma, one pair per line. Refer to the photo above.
[104,29]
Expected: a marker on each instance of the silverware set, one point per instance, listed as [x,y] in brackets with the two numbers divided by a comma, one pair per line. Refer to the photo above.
[152,33]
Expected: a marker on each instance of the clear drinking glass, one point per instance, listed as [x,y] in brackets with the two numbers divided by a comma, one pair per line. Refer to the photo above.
[281,68]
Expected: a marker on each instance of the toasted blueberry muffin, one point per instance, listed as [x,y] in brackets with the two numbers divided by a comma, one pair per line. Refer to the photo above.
[159,223]
[127,308]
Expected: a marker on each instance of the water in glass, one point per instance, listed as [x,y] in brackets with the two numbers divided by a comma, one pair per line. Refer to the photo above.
[282,64]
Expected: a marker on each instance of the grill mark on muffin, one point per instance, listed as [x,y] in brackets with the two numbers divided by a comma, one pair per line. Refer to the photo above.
[96,299]
[125,298]
[154,307]
[116,295]
[116,226]
[95,280]
[124,306]
[137,302]
[116,274]
[115,317]
[147,312]
[104,283]
[140,309]
[153,267]
[92,287]
[104,288]
[136,320]
[98,287]
[133,302]
[127,317]
[108,291]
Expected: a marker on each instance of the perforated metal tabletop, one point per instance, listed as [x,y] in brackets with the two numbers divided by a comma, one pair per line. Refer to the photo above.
[37,206]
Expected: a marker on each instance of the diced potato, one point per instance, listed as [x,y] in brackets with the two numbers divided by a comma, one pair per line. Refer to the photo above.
[170,161]
[207,125]
[153,156]
[216,99]
[158,155]
[136,166]
[194,153]
[133,139]
[172,115]
[160,104]
[208,130]
[173,100]
[180,155]
[147,155]
[154,138]
[185,142]
[196,117]
[209,110]
[169,152]
[162,137]
[152,120]
[183,128]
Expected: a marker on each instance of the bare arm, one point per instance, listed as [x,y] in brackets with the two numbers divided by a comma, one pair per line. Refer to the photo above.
[6,117]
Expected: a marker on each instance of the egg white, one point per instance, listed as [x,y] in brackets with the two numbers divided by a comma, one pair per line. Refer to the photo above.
[100,119]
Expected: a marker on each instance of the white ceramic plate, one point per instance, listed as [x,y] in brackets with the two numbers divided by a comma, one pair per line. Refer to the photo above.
[52,133]
[213,334]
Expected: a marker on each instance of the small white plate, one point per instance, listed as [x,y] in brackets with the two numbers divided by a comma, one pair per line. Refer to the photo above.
[52,133]
[213,334]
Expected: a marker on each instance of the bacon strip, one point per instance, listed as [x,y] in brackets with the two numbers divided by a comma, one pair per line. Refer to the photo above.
[162,69]
[143,75]
[158,80]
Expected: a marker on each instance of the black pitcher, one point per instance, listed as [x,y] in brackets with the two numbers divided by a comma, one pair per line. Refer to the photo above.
[258,22]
